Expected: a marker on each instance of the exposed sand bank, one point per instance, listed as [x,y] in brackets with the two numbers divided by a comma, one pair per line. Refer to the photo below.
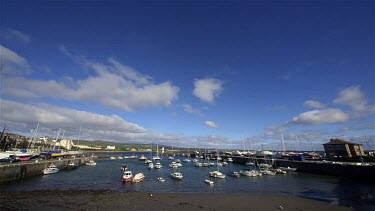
[113,200]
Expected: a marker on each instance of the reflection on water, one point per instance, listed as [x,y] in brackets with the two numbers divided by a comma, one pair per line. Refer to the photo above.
[107,175]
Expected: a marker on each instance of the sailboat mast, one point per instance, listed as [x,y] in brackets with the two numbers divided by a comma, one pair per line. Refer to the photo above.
[282,142]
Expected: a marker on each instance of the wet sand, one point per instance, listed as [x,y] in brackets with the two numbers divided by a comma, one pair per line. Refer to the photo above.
[113,200]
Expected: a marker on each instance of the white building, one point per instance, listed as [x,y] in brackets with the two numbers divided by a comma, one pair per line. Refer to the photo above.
[67,144]
[111,147]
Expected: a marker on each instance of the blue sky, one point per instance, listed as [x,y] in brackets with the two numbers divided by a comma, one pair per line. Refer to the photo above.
[203,73]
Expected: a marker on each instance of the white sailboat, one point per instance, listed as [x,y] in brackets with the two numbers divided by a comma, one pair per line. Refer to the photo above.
[217,174]
[157,153]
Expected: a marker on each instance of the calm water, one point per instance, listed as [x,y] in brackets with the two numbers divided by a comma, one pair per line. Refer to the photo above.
[107,175]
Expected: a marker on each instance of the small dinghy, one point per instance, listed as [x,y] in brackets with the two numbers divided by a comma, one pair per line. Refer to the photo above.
[210,182]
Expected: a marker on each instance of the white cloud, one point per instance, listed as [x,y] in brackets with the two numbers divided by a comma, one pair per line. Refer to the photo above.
[207,89]
[21,117]
[189,109]
[211,124]
[313,104]
[15,35]
[12,63]
[323,116]
[114,85]
[354,97]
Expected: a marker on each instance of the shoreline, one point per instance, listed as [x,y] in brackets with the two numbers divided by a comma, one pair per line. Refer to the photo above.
[118,200]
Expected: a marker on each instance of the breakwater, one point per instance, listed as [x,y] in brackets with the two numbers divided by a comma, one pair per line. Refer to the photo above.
[23,169]
[340,169]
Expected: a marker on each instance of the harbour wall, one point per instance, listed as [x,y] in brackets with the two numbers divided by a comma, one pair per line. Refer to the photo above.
[355,171]
[23,169]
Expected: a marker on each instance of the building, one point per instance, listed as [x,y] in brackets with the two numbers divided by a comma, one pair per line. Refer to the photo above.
[67,144]
[341,148]
[111,147]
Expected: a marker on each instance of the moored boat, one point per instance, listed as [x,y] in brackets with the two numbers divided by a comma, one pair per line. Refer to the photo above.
[51,169]
[127,176]
[71,166]
[150,165]
[139,177]
[217,174]
[91,163]
[249,173]
[158,165]
[142,158]
[279,171]
[177,176]
[267,172]
[210,182]
[234,174]
[161,179]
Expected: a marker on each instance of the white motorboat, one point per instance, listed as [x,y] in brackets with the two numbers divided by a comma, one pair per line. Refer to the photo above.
[198,164]
[249,173]
[170,158]
[177,176]
[267,172]
[158,165]
[127,176]
[51,169]
[71,166]
[161,179]
[173,165]
[229,160]
[234,174]
[186,160]
[156,158]
[139,177]
[150,165]
[249,163]
[210,182]
[217,174]
[112,158]
[91,163]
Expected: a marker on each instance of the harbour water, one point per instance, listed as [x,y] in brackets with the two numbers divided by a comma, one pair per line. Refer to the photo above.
[106,175]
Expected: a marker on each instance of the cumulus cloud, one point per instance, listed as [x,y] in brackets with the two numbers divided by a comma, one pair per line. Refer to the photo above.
[63,117]
[211,124]
[355,98]
[12,63]
[323,116]
[313,104]
[207,89]
[114,85]
[20,117]
[15,35]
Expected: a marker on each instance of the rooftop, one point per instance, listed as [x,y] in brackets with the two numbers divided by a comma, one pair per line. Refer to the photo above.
[339,141]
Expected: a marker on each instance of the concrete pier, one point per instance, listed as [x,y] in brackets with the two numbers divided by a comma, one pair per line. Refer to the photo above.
[352,170]
[23,169]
